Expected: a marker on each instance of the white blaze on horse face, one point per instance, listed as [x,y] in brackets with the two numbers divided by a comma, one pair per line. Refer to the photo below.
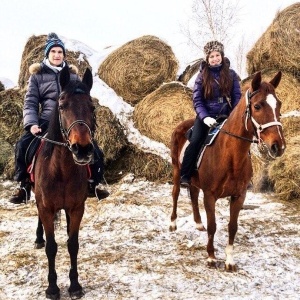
[271,100]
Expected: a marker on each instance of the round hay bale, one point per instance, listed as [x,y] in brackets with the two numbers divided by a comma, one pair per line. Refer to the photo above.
[284,172]
[6,151]
[11,114]
[142,164]
[109,134]
[291,127]
[158,114]
[139,67]
[278,47]
[288,90]
[34,52]
[190,71]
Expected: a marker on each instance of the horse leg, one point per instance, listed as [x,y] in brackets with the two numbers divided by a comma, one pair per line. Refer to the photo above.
[194,193]
[52,292]
[175,194]
[236,205]
[39,242]
[75,289]
[210,204]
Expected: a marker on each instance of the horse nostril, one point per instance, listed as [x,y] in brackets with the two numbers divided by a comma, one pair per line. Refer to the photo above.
[274,149]
[75,148]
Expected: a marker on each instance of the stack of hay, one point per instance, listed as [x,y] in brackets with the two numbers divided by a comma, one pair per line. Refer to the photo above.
[278,50]
[139,67]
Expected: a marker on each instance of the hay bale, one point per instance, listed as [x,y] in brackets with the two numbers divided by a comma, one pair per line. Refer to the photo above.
[284,172]
[109,134]
[144,165]
[158,114]
[288,90]
[278,47]
[34,52]
[2,87]
[291,127]
[139,67]
[6,151]
[11,114]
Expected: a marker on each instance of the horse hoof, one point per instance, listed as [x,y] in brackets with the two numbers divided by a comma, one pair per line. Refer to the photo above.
[200,227]
[230,268]
[212,263]
[39,245]
[77,295]
[172,228]
[53,296]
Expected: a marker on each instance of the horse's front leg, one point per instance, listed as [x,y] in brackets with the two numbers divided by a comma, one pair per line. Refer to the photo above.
[39,242]
[236,205]
[210,204]
[194,193]
[75,289]
[52,292]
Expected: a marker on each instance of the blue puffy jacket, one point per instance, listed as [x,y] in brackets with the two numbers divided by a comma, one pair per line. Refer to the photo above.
[218,105]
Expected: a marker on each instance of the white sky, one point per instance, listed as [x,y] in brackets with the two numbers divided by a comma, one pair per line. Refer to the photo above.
[116,22]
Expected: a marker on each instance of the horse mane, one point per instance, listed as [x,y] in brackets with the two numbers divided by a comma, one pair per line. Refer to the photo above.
[54,130]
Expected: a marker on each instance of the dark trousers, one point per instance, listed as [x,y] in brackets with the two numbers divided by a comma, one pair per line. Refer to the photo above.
[97,168]
[189,161]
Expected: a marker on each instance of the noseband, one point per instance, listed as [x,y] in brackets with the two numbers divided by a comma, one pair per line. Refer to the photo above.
[259,127]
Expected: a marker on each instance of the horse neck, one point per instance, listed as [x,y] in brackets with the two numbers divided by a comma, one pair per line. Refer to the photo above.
[236,125]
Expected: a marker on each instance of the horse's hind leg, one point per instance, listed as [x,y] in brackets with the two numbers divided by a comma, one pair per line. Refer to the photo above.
[39,242]
[75,289]
[236,205]
[194,193]
[175,194]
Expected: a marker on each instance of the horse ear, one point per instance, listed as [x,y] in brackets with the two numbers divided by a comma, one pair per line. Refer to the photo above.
[64,77]
[256,81]
[275,81]
[88,78]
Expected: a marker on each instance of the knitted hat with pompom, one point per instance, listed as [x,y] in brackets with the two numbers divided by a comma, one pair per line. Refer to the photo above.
[53,41]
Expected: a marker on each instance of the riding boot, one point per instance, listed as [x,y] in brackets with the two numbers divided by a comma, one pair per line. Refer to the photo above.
[22,194]
[95,191]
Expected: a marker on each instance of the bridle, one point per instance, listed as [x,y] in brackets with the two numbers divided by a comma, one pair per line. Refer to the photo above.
[259,127]
[66,132]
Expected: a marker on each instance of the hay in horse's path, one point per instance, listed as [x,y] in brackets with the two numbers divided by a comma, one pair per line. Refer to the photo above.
[278,47]
[34,53]
[285,172]
[139,67]
[157,114]
[126,251]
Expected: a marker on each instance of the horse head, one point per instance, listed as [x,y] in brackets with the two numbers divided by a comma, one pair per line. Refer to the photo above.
[263,112]
[76,115]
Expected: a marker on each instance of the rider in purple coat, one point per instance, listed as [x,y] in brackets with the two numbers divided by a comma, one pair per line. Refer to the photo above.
[216,92]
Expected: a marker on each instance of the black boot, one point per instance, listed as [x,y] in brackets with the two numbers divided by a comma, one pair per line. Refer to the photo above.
[94,191]
[22,194]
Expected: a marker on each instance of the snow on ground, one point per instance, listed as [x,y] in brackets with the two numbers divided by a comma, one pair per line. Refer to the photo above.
[127,252]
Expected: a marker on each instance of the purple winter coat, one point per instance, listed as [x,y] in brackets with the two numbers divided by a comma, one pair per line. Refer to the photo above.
[42,92]
[216,106]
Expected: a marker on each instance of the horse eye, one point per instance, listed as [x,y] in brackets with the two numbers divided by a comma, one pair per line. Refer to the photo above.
[257,107]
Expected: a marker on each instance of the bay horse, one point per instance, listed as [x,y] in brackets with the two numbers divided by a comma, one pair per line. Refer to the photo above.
[225,169]
[61,172]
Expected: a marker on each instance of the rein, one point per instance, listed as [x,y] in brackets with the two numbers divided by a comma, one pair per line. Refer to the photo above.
[259,127]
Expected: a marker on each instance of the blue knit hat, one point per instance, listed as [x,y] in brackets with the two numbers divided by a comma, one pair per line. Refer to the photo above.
[53,41]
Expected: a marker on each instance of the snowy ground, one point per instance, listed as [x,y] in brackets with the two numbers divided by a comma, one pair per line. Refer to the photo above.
[127,252]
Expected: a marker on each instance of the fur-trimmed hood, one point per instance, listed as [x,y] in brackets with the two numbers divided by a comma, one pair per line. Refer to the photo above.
[36,67]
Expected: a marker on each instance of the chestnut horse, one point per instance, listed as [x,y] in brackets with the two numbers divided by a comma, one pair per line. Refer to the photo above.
[61,173]
[225,169]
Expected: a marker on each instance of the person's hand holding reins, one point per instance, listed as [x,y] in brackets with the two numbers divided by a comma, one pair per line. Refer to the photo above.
[209,121]
[35,129]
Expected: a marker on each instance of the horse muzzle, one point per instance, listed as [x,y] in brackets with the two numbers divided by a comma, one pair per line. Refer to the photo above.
[82,155]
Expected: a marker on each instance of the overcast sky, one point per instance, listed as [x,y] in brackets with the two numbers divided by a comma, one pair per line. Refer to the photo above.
[99,24]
